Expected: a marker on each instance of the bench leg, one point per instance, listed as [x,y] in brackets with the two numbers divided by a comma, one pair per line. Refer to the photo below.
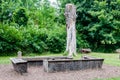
[20,68]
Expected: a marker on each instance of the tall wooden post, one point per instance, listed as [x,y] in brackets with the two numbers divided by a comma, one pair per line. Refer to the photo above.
[70,15]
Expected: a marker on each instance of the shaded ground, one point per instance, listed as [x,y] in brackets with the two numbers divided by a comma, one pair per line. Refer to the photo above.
[37,73]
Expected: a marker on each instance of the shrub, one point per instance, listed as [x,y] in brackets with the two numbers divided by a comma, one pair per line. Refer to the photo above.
[56,39]
[9,37]
[81,43]
[20,17]
[34,39]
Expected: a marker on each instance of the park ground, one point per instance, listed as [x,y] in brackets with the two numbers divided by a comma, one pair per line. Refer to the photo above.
[109,71]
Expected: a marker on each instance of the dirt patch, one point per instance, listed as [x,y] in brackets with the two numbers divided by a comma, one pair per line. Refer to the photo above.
[37,73]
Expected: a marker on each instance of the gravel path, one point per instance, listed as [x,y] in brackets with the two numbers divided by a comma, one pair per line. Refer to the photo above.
[37,73]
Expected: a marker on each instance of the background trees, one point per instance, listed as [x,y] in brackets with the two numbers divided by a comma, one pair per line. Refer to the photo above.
[36,26]
[30,26]
[98,23]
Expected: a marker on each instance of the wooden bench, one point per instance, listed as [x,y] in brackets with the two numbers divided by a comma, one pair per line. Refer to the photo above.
[19,65]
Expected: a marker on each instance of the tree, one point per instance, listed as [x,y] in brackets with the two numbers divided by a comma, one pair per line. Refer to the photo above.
[70,15]
[98,22]
[30,26]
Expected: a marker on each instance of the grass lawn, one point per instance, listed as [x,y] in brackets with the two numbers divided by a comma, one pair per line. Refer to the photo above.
[111,58]
[4,60]
[118,78]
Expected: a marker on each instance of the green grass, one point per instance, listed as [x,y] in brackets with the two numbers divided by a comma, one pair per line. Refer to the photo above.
[109,58]
[117,78]
[5,60]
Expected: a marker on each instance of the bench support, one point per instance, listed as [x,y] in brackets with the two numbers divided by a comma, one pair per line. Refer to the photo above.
[19,65]
[70,65]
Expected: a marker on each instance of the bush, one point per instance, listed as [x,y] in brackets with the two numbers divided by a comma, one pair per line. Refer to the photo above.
[34,39]
[9,37]
[20,17]
[56,39]
[81,43]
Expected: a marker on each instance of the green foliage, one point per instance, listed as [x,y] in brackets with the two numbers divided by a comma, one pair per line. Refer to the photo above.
[9,37]
[34,39]
[81,43]
[97,23]
[56,40]
[42,26]
[39,31]
[5,12]
[20,17]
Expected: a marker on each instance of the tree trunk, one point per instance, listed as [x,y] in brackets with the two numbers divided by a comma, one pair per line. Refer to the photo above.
[70,15]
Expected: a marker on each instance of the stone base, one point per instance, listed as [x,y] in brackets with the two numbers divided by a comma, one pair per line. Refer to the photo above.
[19,65]
[69,65]
[38,61]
